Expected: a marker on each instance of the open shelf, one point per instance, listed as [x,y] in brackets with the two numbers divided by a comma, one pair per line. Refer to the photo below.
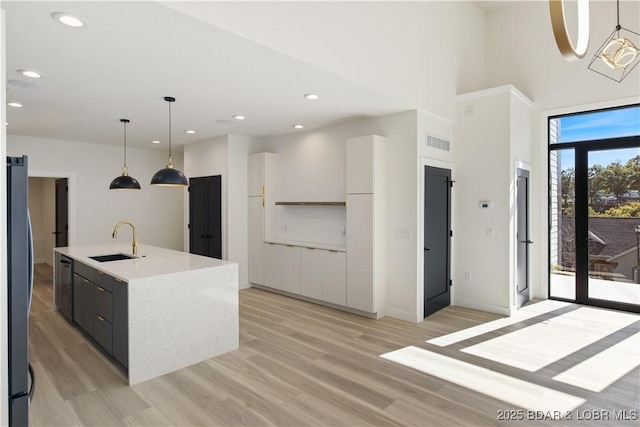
[311,203]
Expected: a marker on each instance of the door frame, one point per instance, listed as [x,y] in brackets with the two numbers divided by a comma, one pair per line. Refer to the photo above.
[525,167]
[582,150]
[420,234]
[223,214]
[71,208]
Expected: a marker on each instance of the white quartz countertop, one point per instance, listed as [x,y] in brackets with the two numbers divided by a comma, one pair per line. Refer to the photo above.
[149,262]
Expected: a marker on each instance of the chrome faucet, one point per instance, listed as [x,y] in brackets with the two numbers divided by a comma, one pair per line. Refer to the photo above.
[135,238]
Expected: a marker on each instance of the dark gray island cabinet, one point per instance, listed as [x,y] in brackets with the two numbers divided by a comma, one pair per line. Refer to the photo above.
[154,312]
[100,309]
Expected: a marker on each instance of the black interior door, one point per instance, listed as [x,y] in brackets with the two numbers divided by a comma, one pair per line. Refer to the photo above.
[437,239]
[62,213]
[205,216]
[522,238]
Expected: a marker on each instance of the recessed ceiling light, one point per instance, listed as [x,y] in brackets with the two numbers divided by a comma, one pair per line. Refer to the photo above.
[69,20]
[14,104]
[155,141]
[298,126]
[6,123]
[30,73]
[311,96]
[239,117]
[190,131]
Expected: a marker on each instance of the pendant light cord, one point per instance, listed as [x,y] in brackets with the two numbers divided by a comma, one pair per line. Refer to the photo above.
[170,131]
[618,14]
[125,145]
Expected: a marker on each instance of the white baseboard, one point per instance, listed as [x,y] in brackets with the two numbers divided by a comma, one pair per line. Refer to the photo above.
[464,302]
[404,315]
[244,285]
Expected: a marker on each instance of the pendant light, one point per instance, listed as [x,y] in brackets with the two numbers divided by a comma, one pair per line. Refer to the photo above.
[619,53]
[169,177]
[124,181]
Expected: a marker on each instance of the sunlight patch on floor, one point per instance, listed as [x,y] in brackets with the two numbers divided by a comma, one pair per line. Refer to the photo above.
[525,313]
[539,345]
[603,369]
[499,386]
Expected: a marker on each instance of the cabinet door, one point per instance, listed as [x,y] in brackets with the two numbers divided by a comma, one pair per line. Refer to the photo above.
[360,252]
[103,332]
[87,306]
[120,322]
[256,174]
[77,300]
[102,302]
[291,269]
[256,240]
[360,165]
[273,265]
[311,273]
[334,277]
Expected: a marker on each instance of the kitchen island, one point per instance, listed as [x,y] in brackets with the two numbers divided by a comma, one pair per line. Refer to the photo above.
[165,310]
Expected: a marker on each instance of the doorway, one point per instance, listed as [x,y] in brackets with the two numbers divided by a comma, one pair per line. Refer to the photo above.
[522,238]
[437,239]
[205,216]
[62,213]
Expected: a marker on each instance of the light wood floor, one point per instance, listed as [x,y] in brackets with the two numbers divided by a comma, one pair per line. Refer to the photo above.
[298,364]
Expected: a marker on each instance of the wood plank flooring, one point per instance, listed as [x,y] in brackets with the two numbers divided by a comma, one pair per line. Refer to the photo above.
[298,364]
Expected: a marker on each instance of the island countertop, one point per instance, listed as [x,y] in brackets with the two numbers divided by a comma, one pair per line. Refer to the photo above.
[179,308]
[150,261]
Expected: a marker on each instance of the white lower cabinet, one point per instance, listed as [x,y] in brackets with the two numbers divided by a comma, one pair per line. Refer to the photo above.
[315,273]
[282,267]
[334,277]
[361,289]
[323,275]
[256,239]
[291,269]
[311,273]
[273,265]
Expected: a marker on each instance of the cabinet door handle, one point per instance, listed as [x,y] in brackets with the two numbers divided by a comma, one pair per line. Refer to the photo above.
[100,289]
[100,272]
[118,280]
[100,318]
[85,280]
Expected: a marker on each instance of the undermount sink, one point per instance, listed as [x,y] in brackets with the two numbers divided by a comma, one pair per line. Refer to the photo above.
[112,257]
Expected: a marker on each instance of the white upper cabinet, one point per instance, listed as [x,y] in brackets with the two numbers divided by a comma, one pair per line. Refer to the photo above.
[365,158]
[261,173]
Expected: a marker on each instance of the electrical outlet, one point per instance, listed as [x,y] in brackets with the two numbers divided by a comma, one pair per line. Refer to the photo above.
[490,233]
[284,226]
[467,276]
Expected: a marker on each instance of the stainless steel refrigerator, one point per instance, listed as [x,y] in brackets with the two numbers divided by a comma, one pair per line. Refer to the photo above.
[19,287]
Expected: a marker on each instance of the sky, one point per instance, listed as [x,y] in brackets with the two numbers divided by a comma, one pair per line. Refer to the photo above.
[600,125]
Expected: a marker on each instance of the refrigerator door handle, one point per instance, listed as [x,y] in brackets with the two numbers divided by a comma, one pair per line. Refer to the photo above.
[30,262]
[32,388]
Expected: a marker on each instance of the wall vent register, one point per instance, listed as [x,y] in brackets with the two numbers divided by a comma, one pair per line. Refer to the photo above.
[437,142]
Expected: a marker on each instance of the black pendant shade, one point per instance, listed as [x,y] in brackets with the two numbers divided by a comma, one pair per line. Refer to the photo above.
[124,181]
[169,177]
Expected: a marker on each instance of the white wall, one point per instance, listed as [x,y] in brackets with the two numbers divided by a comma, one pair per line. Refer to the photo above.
[207,158]
[93,208]
[226,156]
[421,52]
[42,211]
[521,51]
[482,173]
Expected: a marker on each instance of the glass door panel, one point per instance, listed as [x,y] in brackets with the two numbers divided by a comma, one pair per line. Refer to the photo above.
[562,220]
[614,225]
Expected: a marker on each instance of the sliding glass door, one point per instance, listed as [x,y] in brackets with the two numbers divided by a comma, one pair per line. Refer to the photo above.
[594,199]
